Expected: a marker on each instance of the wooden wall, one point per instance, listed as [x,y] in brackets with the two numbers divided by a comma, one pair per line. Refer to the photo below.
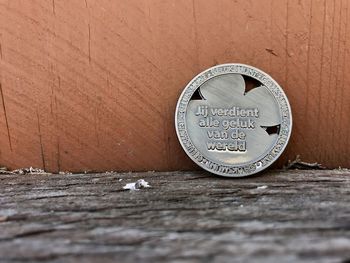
[93,84]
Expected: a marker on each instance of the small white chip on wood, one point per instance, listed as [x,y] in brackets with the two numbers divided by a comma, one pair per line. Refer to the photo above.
[262,187]
[139,184]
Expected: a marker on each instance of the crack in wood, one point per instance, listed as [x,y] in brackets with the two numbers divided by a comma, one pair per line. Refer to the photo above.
[53,7]
[6,118]
[40,140]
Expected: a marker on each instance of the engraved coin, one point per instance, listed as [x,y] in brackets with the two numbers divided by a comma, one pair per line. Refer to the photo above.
[233,120]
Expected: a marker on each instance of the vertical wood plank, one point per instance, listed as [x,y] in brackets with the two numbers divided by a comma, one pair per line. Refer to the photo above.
[93,85]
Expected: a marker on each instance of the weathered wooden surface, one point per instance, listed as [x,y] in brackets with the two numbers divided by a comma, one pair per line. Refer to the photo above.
[294,216]
[92,84]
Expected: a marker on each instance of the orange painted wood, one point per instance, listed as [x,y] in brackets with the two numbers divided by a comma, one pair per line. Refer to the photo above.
[93,84]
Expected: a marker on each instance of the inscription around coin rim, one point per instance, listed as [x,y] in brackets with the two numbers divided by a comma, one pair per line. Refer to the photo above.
[235,170]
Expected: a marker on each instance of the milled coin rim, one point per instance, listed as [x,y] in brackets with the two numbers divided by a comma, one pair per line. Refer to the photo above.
[235,170]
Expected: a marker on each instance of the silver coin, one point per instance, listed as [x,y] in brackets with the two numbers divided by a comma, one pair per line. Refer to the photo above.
[233,120]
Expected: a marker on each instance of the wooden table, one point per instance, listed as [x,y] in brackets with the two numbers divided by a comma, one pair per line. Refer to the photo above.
[279,216]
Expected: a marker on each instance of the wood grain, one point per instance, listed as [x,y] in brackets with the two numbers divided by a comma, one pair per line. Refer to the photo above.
[293,216]
[92,85]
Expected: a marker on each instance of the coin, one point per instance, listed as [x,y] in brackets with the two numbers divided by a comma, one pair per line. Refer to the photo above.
[233,120]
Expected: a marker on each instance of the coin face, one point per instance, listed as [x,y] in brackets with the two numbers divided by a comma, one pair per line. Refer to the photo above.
[233,120]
